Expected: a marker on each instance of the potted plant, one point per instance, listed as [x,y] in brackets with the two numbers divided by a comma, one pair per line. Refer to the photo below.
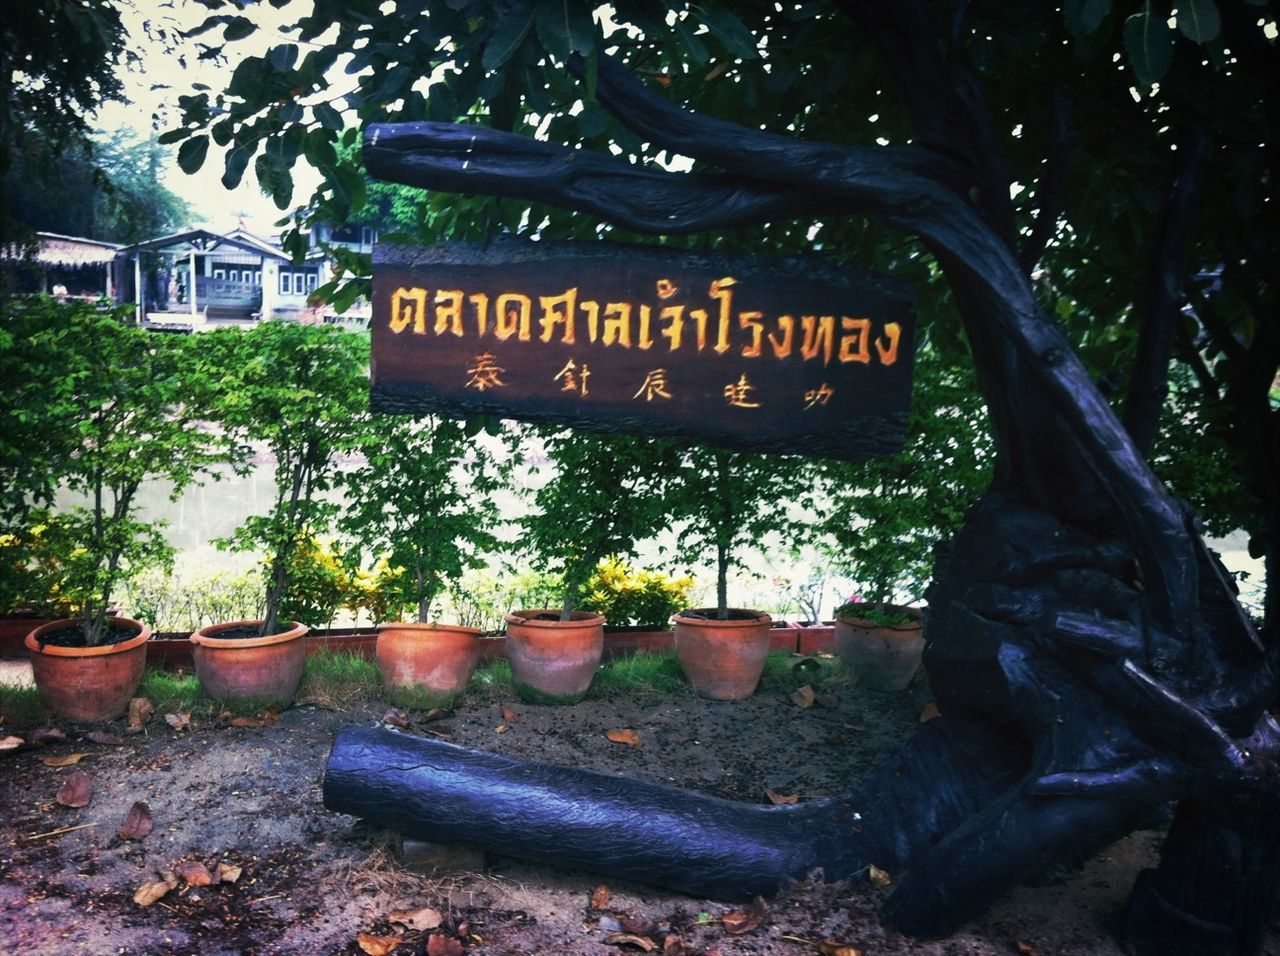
[299,392]
[882,519]
[727,499]
[638,604]
[125,395]
[423,502]
[606,494]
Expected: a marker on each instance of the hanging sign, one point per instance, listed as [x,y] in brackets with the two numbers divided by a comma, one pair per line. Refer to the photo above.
[759,354]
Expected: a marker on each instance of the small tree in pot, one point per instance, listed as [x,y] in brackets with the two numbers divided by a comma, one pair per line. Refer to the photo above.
[300,393]
[726,500]
[423,502]
[125,396]
[606,494]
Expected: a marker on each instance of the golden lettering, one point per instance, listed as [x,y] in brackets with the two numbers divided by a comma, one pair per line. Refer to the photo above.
[666,288]
[485,373]
[449,311]
[699,316]
[618,328]
[509,320]
[592,308]
[889,353]
[409,305]
[558,309]
[855,345]
[646,340]
[739,393]
[722,289]
[673,315]
[574,378]
[481,302]
[655,385]
[818,396]
[782,348]
[755,322]
[819,334]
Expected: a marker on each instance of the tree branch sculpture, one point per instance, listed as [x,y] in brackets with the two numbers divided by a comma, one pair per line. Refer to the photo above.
[1086,650]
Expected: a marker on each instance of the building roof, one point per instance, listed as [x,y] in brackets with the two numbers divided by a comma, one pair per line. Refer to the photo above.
[204,240]
[59,250]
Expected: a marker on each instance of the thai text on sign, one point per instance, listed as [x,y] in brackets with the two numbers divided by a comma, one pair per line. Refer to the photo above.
[747,352]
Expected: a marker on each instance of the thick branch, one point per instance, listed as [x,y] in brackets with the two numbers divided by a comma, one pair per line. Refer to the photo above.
[1149,384]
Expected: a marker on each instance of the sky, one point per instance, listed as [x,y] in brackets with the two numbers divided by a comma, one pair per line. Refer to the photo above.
[211,203]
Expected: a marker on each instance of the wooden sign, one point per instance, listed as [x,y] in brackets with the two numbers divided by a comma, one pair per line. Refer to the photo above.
[779,355]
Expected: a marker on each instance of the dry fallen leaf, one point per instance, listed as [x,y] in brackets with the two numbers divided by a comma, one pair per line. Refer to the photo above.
[194,873]
[140,711]
[440,945]
[42,735]
[600,896]
[804,697]
[930,711]
[638,925]
[878,877]
[624,735]
[76,790]
[250,722]
[779,798]
[179,721]
[1026,949]
[738,923]
[138,822]
[228,872]
[271,714]
[10,743]
[674,946]
[396,718]
[501,729]
[510,716]
[831,947]
[377,945]
[419,919]
[630,939]
[827,701]
[64,761]
[148,893]
[102,737]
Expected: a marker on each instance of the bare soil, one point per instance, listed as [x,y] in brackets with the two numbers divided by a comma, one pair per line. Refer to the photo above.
[312,880]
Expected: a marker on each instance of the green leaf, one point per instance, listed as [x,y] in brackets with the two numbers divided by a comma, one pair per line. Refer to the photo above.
[169,137]
[1199,20]
[318,148]
[327,116]
[238,28]
[693,45]
[236,162]
[730,31]
[1148,41]
[508,34]
[191,154]
[564,27]
[1082,17]
[283,57]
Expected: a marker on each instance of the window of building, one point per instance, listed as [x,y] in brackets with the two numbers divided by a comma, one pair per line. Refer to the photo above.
[312,279]
[219,273]
[286,283]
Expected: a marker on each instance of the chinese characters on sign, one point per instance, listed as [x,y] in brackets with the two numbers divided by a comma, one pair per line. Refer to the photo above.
[747,352]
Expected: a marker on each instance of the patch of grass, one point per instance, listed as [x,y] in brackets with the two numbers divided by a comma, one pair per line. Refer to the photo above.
[339,678]
[21,706]
[640,674]
[491,681]
[784,673]
[170,691]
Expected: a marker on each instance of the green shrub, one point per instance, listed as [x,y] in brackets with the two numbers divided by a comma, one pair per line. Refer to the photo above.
[626,596]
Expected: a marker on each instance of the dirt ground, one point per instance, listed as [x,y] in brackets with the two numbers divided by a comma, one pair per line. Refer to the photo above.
[312,881]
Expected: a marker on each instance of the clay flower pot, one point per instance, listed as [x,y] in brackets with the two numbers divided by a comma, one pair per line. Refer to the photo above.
[554,661]
[722,659]
[426,665]
[88,684]
[881,656]
[263,670]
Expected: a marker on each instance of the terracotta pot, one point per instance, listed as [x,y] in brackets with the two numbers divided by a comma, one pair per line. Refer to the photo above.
[723,659]
[881,656]
[426,665]
[88,684]
[554,661]
[258,669]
